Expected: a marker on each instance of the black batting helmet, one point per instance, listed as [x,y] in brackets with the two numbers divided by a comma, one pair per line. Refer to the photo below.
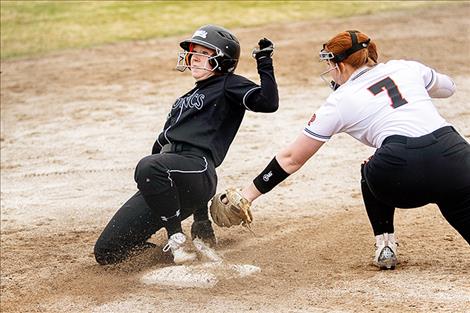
[225,44]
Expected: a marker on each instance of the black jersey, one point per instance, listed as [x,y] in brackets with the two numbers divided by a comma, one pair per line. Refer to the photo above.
[209,115]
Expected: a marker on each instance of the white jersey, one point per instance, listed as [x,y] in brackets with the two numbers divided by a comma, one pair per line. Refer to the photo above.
[376,102]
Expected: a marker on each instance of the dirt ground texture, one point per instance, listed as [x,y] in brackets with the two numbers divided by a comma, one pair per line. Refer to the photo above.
[74,124]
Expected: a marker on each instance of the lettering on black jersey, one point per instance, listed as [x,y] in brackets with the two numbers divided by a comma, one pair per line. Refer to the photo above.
[195,100]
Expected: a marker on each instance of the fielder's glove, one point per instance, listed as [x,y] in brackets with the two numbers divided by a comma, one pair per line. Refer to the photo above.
[236,210]
[265,49]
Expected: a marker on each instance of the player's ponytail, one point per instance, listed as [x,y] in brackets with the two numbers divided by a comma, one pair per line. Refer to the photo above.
[372,52]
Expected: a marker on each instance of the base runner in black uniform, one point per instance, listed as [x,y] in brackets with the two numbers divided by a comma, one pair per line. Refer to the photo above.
[179,177]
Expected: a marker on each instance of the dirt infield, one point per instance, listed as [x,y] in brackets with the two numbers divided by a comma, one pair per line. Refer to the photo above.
[74,125]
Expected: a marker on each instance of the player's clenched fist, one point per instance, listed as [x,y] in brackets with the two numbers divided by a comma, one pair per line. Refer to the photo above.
[230,208]
[265,49]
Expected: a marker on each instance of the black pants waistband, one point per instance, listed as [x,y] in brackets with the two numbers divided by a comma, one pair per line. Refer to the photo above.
[419,141]
[176,147]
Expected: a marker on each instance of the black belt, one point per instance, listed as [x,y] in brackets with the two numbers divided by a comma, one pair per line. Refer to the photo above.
[176,147]
[423,140]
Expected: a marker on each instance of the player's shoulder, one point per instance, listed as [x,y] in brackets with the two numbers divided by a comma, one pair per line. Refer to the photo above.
[347,93]
[233,80]
[336,96]
[406,64]
[235,77]
[227,79]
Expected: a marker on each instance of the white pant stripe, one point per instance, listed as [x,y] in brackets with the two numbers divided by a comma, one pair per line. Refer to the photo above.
[186,172]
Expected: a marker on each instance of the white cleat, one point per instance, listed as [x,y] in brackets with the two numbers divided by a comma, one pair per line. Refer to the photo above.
[386,251]
[179,250]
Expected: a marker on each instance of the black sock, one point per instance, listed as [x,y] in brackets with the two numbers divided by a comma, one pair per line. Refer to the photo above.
[167,207]
[380,214]
[201,213]
[173,226]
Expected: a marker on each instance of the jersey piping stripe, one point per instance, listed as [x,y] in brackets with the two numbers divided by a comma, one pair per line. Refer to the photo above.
[159,142]
[166,130]
[186,172]
[246,95]
[362,72]
[315,134]
[432,79]
[177,119]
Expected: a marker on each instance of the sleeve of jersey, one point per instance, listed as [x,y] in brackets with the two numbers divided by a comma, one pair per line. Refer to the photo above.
[324,123]
[438,85]
[253,97]
[426,73]
[443,86]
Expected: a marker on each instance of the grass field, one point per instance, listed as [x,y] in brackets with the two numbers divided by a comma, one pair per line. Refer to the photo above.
[31,28]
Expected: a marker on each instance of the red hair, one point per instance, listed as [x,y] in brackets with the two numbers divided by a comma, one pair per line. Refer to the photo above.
[343,41]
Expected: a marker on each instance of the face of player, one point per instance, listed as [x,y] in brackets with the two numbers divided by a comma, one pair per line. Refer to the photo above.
[200,67]
[340,72]
[334,72]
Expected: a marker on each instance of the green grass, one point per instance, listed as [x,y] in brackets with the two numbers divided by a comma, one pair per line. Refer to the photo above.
[31,28]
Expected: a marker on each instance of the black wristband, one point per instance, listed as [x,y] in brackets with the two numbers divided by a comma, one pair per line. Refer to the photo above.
[270,177]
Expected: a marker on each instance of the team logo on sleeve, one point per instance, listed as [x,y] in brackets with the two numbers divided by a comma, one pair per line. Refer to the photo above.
[314,116]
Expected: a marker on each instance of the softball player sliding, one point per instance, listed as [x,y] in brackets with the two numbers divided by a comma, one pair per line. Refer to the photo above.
[179,177]
[420,157]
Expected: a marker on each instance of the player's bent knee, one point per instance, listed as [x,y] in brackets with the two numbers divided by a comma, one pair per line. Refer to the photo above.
[151,176]
[104,255]
[149,167]
[144,169]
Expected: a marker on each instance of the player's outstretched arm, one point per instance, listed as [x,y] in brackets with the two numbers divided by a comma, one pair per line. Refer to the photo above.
[286,162]
[233,207]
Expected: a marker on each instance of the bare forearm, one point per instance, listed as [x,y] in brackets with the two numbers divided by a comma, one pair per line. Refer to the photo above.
[286,162]
[251,193]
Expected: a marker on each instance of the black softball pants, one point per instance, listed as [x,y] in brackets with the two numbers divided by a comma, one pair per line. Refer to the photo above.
[172,186]
[409,172]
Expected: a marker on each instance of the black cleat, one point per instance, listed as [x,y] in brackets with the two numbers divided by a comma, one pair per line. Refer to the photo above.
[203,230]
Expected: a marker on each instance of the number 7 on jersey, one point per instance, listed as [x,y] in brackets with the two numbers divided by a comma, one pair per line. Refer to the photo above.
[393,93]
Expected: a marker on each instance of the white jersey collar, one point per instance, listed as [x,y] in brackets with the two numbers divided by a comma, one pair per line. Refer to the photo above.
[359,72]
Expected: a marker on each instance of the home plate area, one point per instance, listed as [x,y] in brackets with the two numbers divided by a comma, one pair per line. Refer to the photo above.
[201,275]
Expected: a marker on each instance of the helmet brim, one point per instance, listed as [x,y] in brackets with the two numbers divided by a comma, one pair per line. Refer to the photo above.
[185,44]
